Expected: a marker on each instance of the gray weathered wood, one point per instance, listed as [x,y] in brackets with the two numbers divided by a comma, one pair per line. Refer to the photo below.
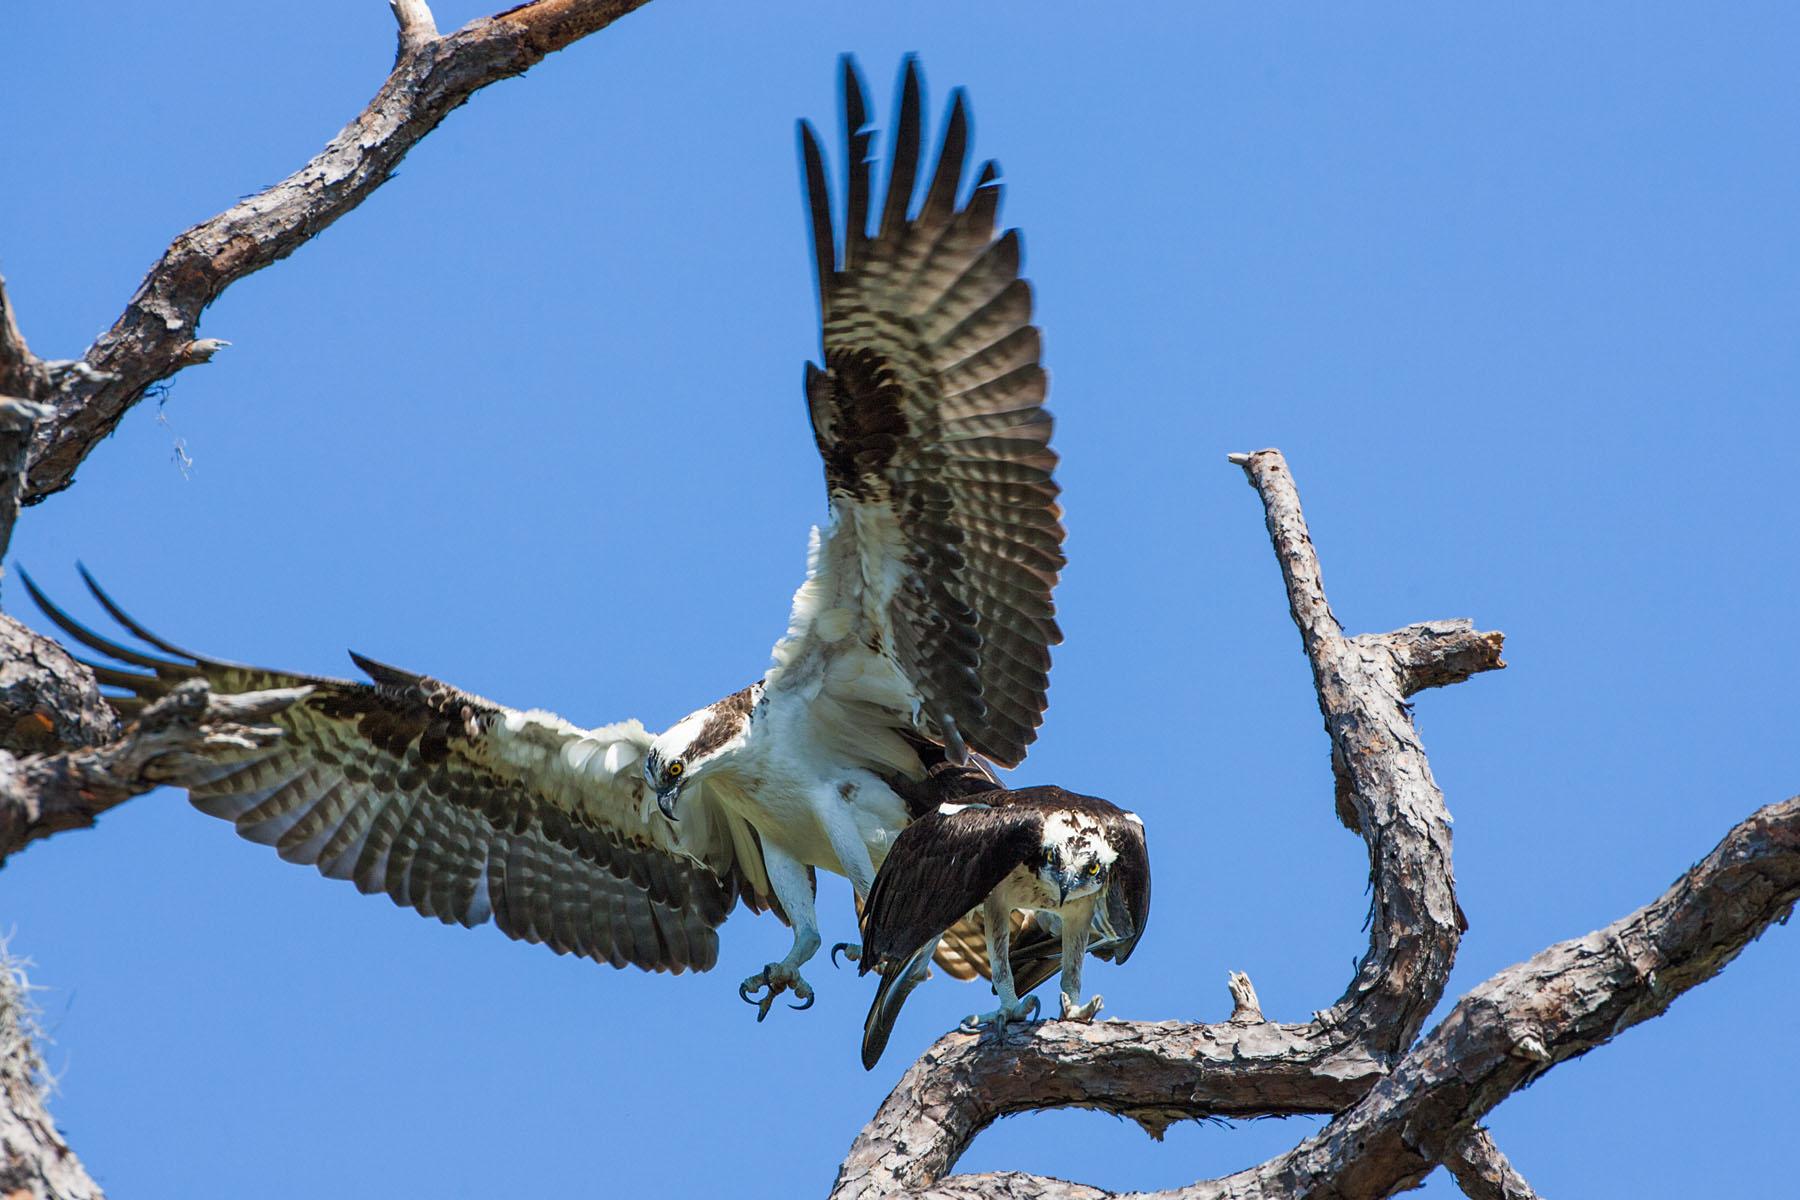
[1482,1172]
[35,1161]
[48,700]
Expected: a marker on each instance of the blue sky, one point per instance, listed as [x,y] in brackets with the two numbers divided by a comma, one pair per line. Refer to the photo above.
[1514,291]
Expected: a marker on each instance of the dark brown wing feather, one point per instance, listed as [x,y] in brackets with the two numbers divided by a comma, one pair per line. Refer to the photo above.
[1128,889]
[944,865]
[404,786]
[941,866]
[931,402]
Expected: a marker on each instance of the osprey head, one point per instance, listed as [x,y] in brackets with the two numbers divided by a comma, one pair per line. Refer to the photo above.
[1075,857]
[695,744]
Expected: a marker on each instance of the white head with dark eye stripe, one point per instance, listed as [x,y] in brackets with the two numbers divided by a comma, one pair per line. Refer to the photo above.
[695,744]
[1075,856]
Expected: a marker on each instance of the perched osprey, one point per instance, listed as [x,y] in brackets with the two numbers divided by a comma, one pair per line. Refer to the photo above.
[1075,866]
[924,623]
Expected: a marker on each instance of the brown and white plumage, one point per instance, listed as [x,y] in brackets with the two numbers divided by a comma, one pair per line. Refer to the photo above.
[460,808]
[924,625]
[1053,874]
[929,416]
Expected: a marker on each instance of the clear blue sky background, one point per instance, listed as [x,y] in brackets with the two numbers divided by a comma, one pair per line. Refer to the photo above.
[1516,293]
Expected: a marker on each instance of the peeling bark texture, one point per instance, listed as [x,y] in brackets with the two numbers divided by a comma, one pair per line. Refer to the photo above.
[1417,1101]
[45,794]
[48,700]
[34,1160]
[1482,1172]
[155,336]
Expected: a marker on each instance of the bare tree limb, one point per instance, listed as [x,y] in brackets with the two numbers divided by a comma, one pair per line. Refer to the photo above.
[155,336]
[417,26]
[1436,653]
[18,375]
[48,700]
[18,417]
[45,794]
[34,1160]
[1159,1073]
[1483,1172]
[1560,1004]
[1383,777]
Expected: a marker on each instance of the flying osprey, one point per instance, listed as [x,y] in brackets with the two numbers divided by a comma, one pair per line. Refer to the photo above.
[924,624]
[1075,865]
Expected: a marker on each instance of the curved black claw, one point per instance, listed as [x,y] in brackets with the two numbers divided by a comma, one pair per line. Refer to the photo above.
[763,1005]
[800,1007]
[851,951]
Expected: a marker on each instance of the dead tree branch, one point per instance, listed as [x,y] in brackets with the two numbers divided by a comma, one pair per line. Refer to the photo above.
[18,418]
[48,700]
[1559,1004]
[45,794]
[1482,1172]
[1160,1073]
[1416,1110]
[35,1162]
[156,335]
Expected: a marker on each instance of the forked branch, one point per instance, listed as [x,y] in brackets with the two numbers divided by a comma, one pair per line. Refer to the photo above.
[1415,1108]
[156,336]
[1159,1073]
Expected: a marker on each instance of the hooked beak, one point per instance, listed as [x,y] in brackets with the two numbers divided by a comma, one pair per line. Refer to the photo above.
[665,800]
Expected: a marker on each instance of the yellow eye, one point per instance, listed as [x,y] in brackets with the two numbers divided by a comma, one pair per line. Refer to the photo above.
[1049,857]
[675,770]
[1093,868]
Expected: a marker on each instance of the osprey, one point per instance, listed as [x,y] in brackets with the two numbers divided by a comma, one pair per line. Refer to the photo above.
[923,625]
[1075,866]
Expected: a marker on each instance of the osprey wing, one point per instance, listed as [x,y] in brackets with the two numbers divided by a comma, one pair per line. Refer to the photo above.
[929,416]
[460,808]
[1127,907]
[941,866]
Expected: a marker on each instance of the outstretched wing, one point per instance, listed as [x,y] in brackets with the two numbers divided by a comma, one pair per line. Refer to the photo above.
[461,808]
[946,537]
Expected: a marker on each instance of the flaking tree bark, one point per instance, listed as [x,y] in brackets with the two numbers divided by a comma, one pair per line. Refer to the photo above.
[1400,1104]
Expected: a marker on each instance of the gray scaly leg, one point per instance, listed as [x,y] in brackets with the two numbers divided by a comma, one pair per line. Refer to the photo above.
[794,889]
[996,921]
[1078,921]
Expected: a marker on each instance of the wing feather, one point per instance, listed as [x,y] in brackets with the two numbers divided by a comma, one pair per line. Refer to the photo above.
[461,809]
[940,867]
[928,413]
